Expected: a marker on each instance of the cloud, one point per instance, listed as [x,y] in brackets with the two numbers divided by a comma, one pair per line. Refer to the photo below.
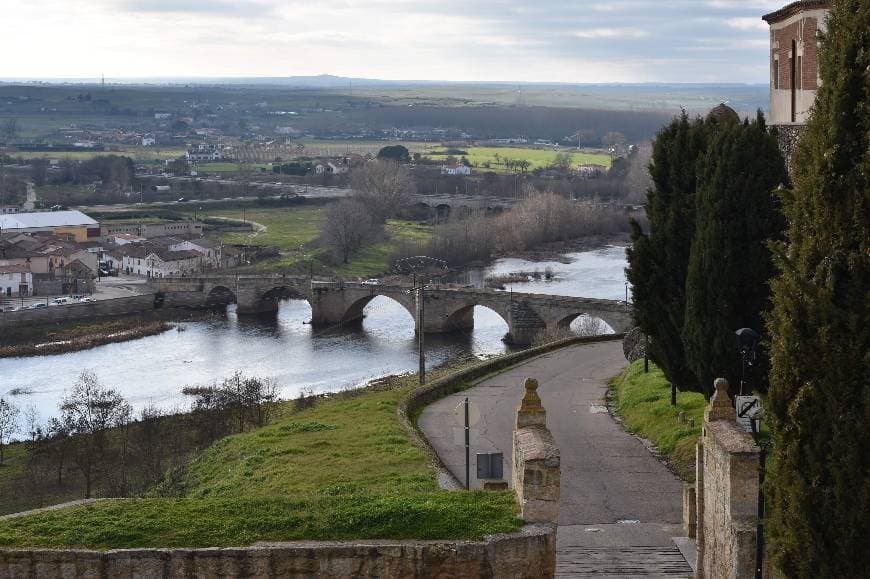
[217,7]
[548,40]
[747,23]
[612,33]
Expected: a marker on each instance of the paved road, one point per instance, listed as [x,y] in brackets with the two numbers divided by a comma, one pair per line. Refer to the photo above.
[619,505]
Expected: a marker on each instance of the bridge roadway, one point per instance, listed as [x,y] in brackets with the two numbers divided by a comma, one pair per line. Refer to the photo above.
[446,308]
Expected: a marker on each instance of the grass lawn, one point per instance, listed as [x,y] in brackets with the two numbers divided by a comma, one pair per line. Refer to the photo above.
[286,227]
[224,167]
[289,227]
[344,469]
[643,401]
[373,260]
[539,158]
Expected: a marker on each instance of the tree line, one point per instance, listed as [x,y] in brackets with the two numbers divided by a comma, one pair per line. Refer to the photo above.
[97,445]
[732,242]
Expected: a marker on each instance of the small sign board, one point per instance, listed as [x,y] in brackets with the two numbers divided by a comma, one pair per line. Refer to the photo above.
[490,465]
[748,409]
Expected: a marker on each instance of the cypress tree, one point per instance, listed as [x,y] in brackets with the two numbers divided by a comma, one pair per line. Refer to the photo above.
[730,265]
[658,260]
[819,404]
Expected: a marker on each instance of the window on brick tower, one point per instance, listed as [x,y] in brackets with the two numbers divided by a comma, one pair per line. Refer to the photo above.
[776,74]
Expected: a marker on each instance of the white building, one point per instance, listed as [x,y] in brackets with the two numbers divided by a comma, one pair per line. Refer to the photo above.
[203,154]
[210,250]
[455,170]
[15,280]
[148,141]
[163,263]
[330,168]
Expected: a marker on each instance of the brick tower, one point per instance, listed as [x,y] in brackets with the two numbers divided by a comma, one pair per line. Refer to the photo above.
[794,69]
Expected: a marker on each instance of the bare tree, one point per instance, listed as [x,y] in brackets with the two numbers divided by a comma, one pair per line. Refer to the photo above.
[8,423]
[91,409]
[348,226]
[384,187]
[613,139]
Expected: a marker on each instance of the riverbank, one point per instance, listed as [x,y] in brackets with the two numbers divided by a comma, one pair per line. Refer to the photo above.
[557,250]
[62,338]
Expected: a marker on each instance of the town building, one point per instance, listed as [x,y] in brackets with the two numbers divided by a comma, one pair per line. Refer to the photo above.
[794,66]
[150,230]
[15,280]
[331,168]
[151,261]
[455,170]
[203,153]
[74,223]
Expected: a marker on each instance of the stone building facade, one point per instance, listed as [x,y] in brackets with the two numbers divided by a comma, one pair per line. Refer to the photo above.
[794,66]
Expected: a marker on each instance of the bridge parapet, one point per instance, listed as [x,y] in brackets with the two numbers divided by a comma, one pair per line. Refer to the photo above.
[447,308]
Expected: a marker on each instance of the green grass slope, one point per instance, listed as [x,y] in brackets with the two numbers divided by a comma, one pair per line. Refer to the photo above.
[344,469]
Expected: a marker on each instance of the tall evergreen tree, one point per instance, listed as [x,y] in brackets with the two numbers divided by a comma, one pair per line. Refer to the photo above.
[730,266]
[820,359]
[658,260]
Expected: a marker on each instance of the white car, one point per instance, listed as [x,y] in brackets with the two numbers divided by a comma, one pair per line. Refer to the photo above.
[372,281]
[86,299]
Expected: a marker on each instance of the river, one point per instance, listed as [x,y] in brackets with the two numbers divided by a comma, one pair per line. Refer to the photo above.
[153,370]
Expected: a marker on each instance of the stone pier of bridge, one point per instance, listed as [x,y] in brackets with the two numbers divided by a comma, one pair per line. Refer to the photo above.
[446,308]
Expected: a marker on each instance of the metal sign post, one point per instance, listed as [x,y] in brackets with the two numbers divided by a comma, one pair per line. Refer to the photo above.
[467,448]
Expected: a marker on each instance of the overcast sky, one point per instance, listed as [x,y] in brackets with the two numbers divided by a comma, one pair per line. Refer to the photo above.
[513,40]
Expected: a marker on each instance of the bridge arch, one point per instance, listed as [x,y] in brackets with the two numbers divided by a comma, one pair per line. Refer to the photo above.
[585,324]
[462,318]
[280,292]
[220,296]
[356,310]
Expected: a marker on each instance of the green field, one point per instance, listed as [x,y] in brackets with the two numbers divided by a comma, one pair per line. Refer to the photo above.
[140,154]
[227,167]
[643,401]
[344,469]
[538,158]
[292,228]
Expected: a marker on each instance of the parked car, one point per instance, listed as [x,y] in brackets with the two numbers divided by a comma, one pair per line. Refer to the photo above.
[372,281]
[61,301]
[37,306]
[86,299]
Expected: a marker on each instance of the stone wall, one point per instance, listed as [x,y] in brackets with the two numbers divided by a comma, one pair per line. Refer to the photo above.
[78,311]
[536,461]
[527,554]
[726,493]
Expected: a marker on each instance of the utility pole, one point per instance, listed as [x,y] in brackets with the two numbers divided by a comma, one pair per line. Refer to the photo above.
[421,310]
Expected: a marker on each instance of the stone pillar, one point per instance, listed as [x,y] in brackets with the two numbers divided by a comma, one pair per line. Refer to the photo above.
[536,461]
[524,324]
[690,511]
[727,492]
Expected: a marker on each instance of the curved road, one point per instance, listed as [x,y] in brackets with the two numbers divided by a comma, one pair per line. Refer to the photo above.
[619,505]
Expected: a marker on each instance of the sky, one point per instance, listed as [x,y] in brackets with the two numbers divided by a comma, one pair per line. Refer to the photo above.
[572,41]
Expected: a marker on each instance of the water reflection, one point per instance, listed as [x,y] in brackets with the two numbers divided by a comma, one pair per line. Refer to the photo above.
[154,370]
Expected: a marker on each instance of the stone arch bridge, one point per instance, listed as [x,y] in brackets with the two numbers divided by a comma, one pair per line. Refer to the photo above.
[447,308]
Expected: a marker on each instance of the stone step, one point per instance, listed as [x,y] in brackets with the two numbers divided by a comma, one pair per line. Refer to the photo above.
[623,562]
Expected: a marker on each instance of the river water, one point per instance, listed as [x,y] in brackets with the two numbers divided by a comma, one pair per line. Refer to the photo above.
[153,370]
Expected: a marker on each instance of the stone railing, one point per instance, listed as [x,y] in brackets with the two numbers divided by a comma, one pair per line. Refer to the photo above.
[79,311]
[726,493]
[526,554]
[536,461]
